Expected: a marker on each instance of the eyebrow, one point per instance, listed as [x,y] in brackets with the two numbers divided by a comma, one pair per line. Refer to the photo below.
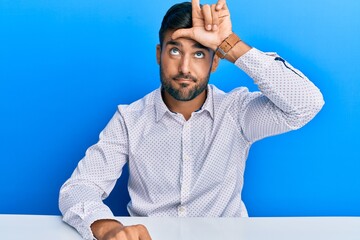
[196,44]
[172,42]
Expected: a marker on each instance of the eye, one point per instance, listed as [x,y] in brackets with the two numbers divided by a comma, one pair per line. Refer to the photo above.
[199,55]
[174,51]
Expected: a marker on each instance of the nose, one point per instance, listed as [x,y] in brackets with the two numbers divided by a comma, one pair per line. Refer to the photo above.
[184,66]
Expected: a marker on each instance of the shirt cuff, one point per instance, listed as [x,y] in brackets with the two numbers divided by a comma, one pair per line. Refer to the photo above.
[92,213]
[95,217]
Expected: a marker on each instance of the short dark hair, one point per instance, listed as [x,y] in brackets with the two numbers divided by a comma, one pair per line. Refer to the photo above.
[178,16]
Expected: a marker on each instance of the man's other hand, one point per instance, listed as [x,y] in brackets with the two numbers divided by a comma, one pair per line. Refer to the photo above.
[113,230]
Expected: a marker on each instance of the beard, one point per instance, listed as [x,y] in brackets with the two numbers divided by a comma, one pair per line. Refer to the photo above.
[185,91]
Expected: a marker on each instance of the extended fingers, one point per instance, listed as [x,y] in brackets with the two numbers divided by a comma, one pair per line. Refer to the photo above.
[211,17]
[221,4]
[206,12]
[196,9]
[195,4]
[215,17]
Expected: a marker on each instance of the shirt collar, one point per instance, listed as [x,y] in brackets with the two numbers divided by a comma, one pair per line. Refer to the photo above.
[161,108]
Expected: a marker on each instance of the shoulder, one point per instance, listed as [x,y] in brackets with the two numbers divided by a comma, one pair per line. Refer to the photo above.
[139,107]
[233,102]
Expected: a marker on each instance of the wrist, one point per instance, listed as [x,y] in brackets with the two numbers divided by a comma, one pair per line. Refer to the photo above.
[231,48]
[226,45]
[237,51]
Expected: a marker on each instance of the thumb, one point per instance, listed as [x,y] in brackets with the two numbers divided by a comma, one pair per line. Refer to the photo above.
[184,33]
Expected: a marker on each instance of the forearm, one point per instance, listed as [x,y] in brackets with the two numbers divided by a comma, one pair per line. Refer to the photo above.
[81,205]
[287,99]
[284,85]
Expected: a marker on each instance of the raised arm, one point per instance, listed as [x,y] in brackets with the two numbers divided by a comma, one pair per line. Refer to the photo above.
[288,100]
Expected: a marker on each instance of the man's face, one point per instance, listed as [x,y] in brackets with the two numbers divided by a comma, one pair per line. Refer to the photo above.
[185,67]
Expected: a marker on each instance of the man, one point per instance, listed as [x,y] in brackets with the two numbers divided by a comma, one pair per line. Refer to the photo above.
[186,143]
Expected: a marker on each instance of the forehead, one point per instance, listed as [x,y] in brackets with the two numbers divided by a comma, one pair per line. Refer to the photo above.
[181,42]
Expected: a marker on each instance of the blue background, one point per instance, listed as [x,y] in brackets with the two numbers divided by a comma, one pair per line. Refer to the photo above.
[66,65]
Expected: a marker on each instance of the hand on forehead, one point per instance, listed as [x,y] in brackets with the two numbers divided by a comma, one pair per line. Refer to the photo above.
[211,24]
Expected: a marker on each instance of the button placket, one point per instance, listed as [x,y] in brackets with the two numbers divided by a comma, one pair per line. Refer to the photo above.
[186,168]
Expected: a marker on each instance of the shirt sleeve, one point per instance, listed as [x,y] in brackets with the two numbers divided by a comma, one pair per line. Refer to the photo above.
[81,196]
[287,99]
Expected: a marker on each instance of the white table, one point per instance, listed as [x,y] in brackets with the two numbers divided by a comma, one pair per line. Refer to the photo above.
[39,227]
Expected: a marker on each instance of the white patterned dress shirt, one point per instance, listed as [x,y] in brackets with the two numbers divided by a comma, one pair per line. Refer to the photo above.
[188,168]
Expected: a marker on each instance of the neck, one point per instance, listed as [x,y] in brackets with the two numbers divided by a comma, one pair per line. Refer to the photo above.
[186,108]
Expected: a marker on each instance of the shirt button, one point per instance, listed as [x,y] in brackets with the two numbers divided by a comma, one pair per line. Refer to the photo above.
[182,209]
[186,158]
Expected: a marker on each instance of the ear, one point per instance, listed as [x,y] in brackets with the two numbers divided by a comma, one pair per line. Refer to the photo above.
[215,63]
[158,53]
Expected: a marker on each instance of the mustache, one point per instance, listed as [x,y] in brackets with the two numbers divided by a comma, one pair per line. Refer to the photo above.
[185,76]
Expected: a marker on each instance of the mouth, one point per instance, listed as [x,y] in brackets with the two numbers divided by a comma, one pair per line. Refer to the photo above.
[184,80]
